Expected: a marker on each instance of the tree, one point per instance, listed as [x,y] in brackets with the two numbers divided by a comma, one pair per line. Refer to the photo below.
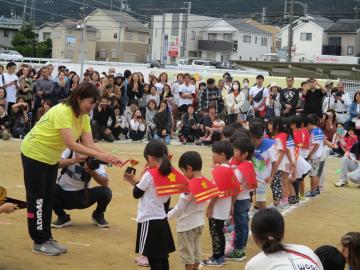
[25,43]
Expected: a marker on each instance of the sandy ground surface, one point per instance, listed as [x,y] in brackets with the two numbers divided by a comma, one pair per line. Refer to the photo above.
[316,222]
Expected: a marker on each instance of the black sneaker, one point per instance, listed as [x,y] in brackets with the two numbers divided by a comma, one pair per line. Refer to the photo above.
[61,222]
[99,220]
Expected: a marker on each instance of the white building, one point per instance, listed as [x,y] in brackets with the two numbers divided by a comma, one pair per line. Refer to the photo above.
[308,37]
[234,39]
[172,37]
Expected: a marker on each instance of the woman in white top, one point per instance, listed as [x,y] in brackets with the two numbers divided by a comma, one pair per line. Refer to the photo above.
[137,127]
[234,101]
[267,227]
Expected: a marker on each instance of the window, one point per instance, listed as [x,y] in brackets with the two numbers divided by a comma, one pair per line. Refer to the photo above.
[264,41]
[113,53]
[46,36]
[247,39]
[306,36]
[115,35]
[193,35]
[128,36]
[256,40]
[350,50]
[225,57]
[6,33]
[212,36]
[211,56]
[227,37]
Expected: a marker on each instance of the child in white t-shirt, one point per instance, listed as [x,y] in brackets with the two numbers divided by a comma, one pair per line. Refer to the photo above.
[189,211]
[316,152]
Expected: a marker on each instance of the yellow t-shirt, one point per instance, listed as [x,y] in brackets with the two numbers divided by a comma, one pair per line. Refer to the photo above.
[44,143]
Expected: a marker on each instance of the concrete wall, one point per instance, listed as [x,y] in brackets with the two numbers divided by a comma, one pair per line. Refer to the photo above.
[6,41]
[346,41]
[63,50]
[129,51]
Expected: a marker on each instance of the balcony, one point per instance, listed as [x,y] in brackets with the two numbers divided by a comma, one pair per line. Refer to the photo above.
[215,45]
[331,50]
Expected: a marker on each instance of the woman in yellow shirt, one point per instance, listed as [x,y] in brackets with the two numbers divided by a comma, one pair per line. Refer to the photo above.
[60,128]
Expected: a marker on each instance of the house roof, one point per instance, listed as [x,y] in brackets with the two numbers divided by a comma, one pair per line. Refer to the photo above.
[323,22]
[69,25]
[10,23]
[345,26]
[241,25]
[265,27]
[125,20]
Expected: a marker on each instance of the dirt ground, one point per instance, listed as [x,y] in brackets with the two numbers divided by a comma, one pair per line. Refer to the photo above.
[316,222]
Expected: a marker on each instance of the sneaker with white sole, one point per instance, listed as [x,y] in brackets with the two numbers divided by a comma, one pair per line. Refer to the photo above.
[59,247]
[46,248]
[213,262]
[99,220]
[341,184]
[236,255]
[61,222]
[311,194]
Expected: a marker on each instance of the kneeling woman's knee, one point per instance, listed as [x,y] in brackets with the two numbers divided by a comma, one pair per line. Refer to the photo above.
[107,193]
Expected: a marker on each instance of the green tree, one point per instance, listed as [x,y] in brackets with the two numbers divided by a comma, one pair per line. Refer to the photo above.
[25,43]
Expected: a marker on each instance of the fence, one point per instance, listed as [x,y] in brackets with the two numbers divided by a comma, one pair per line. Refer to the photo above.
[351,87]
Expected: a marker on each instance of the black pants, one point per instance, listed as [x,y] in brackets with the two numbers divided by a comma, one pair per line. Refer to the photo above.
[39,181]
[190,134]
[118,130]
[136,135]
[79,200]
[216,227]
[98,132]
[159,263]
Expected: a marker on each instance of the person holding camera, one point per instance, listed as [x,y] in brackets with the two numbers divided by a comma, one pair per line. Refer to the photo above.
[21,118]
[313,94]
[99,123]
[273,103]
[72,189]
[191,127]
[137,127]
[60,128]
[341,102]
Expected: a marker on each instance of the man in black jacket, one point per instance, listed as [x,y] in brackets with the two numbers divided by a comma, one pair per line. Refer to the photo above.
[289,98]
[99,123]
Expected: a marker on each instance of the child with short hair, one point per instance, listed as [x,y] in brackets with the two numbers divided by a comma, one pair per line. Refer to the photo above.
[314,157]
[264,162]
[350,249]
[190,209]
[245,173]
[219,208]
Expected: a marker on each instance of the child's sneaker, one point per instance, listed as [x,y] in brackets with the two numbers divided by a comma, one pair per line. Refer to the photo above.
[317,191]
[236,255]
[310,194]
[302,198]
[142,261]
[284,204]
[293,200]
[213,262]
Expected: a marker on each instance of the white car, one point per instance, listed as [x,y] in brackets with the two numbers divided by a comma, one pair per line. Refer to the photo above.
[9,55]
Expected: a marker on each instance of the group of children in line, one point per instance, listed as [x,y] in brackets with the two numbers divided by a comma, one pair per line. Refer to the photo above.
[279,153]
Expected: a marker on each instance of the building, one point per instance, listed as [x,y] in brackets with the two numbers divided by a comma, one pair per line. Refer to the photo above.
[273,30]
[343,38]
[66,39]
[309,36]
[176,35]
[8,29]
[120,37]
[234,39]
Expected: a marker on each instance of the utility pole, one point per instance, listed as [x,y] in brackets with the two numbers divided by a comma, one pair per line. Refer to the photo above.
[24,11]
[32,12]
[186,25]
[83,38]
[263,15]
[290,36]
[119,33]
[285,10]
[306,9]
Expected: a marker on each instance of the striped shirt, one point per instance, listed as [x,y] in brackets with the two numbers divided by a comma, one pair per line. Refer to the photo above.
[317,137]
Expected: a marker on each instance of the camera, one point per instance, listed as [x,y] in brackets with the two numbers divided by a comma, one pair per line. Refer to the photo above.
[338,94]
[130,170]
[92,163]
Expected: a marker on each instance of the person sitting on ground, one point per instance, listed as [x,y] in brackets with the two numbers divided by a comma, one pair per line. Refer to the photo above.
[120,126]
[20,119]
[268,229]
[191,126]
[349,167]
[151,111]
[137,127]
[99,123]
[163,122]
[4,124]
[213,126]
[129,111]
[72,190]
[330,257]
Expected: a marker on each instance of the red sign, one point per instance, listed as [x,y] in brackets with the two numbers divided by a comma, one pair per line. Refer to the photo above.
[173,53]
